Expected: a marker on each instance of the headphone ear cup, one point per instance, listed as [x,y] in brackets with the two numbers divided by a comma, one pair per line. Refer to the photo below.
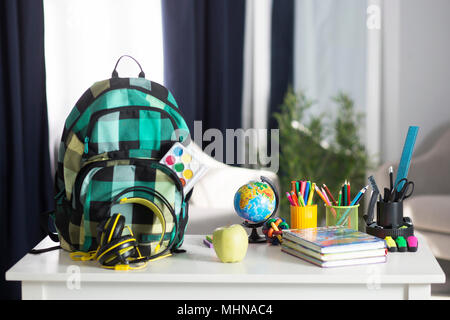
[112,229]
[118,229]
[117,251]
[100,230]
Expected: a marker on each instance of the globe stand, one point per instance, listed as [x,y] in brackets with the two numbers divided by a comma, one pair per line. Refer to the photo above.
[254,236]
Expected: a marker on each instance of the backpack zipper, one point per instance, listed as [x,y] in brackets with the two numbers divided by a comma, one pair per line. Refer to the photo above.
[86,145]
[101,163]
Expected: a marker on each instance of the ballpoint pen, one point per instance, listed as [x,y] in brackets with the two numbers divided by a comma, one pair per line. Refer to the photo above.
[391,178]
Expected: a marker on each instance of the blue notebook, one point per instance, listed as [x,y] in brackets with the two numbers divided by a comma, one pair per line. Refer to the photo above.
[333,239]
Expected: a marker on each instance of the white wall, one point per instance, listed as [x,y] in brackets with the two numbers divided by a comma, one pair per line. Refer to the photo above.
[416,73]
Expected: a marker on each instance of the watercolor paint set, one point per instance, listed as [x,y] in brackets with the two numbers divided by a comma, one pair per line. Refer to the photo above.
[183,161]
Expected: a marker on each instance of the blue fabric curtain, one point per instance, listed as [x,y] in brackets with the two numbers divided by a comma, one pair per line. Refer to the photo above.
[26,184]
[203,57]
[282,60]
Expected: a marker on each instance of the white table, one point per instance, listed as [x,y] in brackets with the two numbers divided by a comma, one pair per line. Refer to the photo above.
[198,274]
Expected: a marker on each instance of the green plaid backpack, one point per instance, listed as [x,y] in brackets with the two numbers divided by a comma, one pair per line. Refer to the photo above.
[110,149]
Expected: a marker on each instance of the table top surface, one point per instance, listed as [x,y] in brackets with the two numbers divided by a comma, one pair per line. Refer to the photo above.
[264,263]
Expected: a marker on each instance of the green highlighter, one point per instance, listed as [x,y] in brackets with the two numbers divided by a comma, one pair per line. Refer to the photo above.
[401,244]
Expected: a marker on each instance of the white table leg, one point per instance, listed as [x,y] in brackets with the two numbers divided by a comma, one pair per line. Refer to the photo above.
[419,291]
[33,290]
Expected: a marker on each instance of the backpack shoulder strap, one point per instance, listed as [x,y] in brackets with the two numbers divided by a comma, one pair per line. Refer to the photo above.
[44,219]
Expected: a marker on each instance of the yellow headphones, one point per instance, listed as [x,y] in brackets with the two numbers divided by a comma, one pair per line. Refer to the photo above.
[154,208]
[116,251]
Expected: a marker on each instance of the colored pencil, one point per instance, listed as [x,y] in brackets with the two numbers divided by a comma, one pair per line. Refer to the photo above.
[330,196]
[324,194]
[327,201]
[355,201]
[359,196]
[340,198]
[344,194]
[321,195]
[348,193]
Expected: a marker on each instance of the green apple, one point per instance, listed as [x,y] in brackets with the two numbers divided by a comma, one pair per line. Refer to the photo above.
[230,243]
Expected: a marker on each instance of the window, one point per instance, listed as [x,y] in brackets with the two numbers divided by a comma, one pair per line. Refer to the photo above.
[84,39]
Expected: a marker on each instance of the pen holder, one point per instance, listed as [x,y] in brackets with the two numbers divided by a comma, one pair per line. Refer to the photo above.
[334,214]
[390,214]
[390,221]
[304,217]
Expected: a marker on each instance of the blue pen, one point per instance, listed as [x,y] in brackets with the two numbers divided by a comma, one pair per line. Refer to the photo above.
[353,203]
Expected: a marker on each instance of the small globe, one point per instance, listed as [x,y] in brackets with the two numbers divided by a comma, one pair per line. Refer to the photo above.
[255,201]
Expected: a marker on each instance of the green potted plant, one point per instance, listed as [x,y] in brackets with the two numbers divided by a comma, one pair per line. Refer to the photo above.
[311,149]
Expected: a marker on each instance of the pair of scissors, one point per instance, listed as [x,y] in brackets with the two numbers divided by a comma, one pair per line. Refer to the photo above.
[404,193]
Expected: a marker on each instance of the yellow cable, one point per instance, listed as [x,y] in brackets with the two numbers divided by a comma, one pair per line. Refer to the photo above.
[160,257]
[115,246]
[82,256]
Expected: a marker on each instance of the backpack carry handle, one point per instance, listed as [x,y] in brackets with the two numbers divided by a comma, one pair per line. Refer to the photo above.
[116,75]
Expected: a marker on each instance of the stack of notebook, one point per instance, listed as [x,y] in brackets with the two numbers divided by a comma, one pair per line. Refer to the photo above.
[334,246]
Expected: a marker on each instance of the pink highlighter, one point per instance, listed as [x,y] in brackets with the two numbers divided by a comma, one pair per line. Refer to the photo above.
[412,243]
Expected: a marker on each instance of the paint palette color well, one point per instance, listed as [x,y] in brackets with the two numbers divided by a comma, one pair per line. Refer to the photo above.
[185,164]
[170,160]
[179,167]
[186,158]
[188,174]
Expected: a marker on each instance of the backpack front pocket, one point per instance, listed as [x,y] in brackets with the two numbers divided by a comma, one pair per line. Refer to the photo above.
[125,132]
[117,179]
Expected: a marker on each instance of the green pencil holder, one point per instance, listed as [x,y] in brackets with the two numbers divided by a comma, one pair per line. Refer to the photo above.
[342,215]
